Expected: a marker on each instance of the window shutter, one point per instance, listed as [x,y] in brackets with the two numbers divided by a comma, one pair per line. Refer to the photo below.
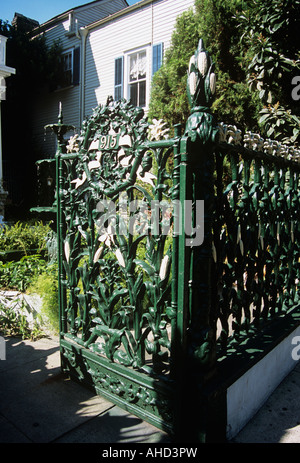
[157,57]
[119,71]
[76,66]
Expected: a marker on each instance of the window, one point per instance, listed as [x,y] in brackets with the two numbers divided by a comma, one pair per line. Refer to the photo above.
[137,70]
[68,66]
[133,72]
[71,67]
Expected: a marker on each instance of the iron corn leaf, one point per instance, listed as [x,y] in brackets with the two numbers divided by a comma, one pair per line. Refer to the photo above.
[120,318]
[84,233]
[116,295]
[102,310]
[145,193]
[101,289]
[132,341]
[133,247]
[161,187]
[150,346]
[97,321]
[164,294]
[139,286]
[150,320]
[84,274]
[149,269]
[130,348]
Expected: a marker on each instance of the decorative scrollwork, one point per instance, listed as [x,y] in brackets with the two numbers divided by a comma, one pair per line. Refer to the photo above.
[201,88]
[229,134]
[115,256]
[253,141]
[201,83]
[255,248]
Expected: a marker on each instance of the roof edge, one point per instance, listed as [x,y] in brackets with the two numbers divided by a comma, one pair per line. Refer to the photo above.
[119,13]
[60,17]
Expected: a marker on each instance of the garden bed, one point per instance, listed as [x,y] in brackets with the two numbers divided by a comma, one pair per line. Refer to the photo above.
[28,281]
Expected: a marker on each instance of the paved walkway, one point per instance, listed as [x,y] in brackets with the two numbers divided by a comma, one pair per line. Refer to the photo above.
[39,405]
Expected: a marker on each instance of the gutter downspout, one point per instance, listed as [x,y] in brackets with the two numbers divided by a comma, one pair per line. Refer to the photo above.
[83,33]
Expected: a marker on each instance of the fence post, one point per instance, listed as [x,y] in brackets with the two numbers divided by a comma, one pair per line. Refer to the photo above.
[196,351]
[60,129]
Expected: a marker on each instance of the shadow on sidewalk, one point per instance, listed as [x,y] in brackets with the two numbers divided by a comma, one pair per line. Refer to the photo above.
[39,404]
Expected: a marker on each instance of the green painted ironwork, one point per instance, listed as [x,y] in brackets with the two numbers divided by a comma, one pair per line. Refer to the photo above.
[117,291]
[146,316]
[255,234]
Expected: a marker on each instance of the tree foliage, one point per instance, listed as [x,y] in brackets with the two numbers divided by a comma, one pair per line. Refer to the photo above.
[270,36]
[36,63]
[168,98]
[254,46]
[37,66]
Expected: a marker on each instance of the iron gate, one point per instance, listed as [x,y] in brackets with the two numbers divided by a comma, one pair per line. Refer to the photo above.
[117,318]
[127,222]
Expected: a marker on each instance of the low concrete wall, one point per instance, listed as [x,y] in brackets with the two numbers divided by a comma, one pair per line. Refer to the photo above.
[247,395]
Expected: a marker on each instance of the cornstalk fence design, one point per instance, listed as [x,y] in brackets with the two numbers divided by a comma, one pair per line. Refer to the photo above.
[152,317]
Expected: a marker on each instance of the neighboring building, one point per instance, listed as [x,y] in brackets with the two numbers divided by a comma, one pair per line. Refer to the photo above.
[110,49]
[5,71]
[23,23]
[69,29]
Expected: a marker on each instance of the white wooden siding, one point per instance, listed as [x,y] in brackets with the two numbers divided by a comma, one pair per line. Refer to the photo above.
[88,14]
[46,104]
[140,26]
[46,109]
[84,15]
[148,25]
[164,18]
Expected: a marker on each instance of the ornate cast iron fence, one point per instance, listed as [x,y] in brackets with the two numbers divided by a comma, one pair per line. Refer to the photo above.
[153,294]
[255,244]
[117,296]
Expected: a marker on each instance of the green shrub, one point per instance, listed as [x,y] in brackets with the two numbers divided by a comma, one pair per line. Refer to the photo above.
[24,236]
[32,273]
[46,286]
[14,323]
[20,274]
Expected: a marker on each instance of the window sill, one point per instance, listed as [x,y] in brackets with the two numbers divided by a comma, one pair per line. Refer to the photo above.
[61,89]
[70,34]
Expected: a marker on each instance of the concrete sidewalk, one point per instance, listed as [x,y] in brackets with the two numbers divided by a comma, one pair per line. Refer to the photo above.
[40,405]
[278,421]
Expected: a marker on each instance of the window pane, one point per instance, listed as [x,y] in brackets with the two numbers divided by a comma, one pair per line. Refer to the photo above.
[133,88]
[118,78]
[142,65]
[137,75]
[142,94]
[133,67]
[68,61]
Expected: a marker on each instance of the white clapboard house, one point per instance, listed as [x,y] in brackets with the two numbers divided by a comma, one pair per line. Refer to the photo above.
[110,49]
